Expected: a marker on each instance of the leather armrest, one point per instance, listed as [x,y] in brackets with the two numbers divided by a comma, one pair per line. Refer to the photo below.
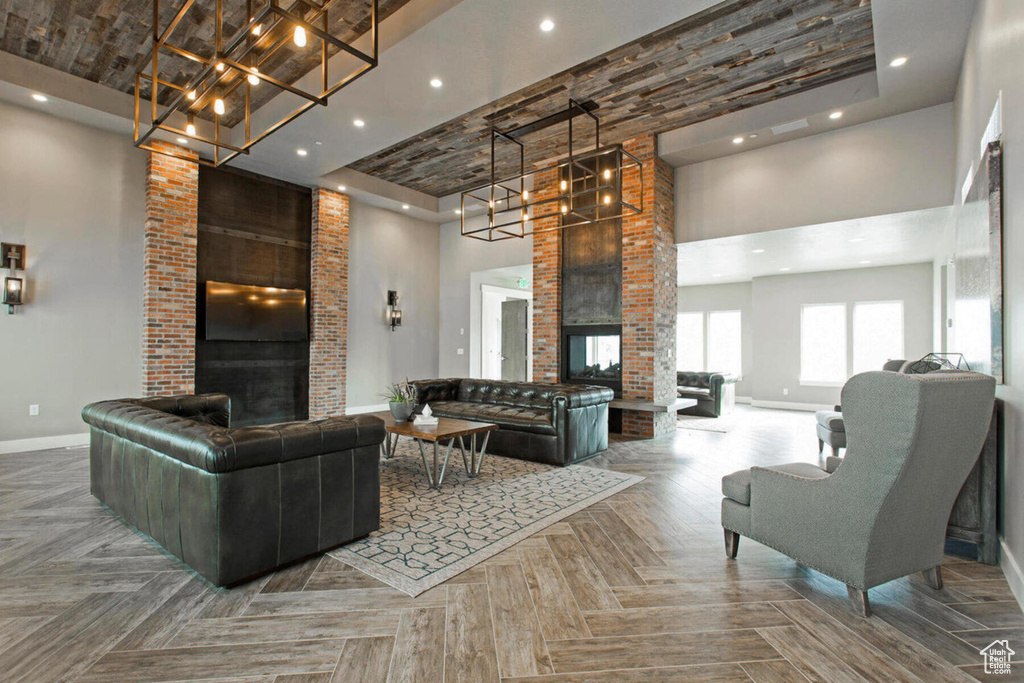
[584,395]
[430,390]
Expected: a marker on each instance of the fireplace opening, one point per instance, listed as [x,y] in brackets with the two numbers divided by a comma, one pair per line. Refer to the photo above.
[593,355]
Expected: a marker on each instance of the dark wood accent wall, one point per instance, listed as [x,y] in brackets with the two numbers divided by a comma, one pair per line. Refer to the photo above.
[253,231]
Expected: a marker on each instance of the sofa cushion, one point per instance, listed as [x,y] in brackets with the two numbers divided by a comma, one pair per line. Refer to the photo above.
[535,420]
[692,392]
[736,486]
[700,380]
[831,420]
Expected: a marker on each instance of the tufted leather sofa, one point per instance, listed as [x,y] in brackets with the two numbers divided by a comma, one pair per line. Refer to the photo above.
[234,503]
[557,424]
[715,392]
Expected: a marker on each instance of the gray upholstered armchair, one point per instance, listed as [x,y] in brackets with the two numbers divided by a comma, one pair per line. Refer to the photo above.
[880,513]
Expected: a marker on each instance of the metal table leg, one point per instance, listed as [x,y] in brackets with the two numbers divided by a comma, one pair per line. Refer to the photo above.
[435,476]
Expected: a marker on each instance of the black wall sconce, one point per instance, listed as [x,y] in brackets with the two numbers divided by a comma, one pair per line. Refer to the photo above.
[14,287]
[394,314]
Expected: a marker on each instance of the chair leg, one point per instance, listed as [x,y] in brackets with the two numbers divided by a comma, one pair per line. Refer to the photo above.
[933,577]
[859,600]
[835,451]
[821,445]
[732,544]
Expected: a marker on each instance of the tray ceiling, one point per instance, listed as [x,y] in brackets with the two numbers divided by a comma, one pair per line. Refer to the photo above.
[105,41]
[737,54]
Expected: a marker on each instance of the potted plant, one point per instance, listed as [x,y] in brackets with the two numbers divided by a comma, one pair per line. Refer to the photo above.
[401,400]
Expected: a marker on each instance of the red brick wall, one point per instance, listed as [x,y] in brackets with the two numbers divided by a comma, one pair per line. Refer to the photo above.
[649,292]
[547,283]
[328,304]
[169,274]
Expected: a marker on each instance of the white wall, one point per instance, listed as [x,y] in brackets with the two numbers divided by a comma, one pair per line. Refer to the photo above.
[460,257]
[728,297]
[777,302]
[992,62]
[901,163]
[74,196]
[388,250]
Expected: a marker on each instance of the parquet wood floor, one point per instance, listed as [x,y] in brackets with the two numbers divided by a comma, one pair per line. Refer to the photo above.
[635,588]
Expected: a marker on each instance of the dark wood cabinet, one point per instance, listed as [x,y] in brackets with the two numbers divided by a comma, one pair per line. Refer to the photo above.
[975,513]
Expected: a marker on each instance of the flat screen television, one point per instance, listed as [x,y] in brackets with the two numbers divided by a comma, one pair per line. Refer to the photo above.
[247,313]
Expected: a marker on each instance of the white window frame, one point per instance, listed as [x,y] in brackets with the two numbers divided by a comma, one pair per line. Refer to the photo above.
[846,346]
[853,331]
[706,336]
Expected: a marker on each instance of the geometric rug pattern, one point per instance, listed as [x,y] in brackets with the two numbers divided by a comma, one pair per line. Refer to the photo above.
[428,536]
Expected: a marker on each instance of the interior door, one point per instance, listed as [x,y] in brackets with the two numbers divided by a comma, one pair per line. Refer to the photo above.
[513,339]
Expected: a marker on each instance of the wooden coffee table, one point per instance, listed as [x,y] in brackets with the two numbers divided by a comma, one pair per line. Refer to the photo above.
[446,430]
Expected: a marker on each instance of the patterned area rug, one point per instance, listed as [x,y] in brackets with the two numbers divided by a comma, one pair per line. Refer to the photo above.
[427,536]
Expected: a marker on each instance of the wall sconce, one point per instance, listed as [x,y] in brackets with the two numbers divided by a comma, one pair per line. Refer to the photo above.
[14,287]
[394,315]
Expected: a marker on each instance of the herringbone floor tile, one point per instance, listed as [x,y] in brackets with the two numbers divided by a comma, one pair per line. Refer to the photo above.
[635,588]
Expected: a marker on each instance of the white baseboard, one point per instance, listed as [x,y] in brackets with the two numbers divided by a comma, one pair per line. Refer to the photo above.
[789,405]
[1014,575]
[43,443]
[744,399]
[376,408]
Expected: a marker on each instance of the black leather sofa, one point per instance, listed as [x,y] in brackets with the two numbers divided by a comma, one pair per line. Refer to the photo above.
[715,392]
[234,503]
[557,424]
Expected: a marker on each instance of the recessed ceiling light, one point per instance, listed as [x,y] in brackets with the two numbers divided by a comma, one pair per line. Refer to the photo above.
[864,263]
[341,188]
[757,251]
[458,212]
[182,141]
[785,269]
[39,98]
[836,115]
[301,152]
[752,136]
[319,142]
[856,239]
[405,206]
[547,25]
[717,275]
[358,123]
[899,61]
[737,140]
[436,83]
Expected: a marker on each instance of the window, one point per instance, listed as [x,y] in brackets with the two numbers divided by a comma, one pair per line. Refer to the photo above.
[724,343]
[823,344]
[690,342]
[877,334]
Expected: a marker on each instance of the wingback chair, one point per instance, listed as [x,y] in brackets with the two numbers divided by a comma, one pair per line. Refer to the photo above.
[879,513]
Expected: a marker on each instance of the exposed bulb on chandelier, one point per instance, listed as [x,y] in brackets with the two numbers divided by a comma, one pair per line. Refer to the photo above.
[253,78]
[300,36]
[218,106]
[191,127]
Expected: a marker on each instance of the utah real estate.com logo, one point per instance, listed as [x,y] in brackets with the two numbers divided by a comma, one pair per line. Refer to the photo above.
[997,657]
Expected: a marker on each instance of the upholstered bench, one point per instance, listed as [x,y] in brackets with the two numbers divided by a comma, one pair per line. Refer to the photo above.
[234,503]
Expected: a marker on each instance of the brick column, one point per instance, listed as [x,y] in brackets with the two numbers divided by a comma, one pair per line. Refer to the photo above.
[547,283]
[328,336]
[169,274]
[649,293]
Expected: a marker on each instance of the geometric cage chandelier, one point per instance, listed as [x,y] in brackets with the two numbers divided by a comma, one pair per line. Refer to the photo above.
[209,93]
[587,187]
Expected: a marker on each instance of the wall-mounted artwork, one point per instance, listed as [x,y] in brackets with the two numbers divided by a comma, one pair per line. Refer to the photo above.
[978,267]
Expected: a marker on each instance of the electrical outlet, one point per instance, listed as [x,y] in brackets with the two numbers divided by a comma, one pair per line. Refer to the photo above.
[785,392]
[33,409]
[460,351]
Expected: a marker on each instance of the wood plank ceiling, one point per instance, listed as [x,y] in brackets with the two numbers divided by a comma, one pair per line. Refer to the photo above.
[737,54]
[106,41]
